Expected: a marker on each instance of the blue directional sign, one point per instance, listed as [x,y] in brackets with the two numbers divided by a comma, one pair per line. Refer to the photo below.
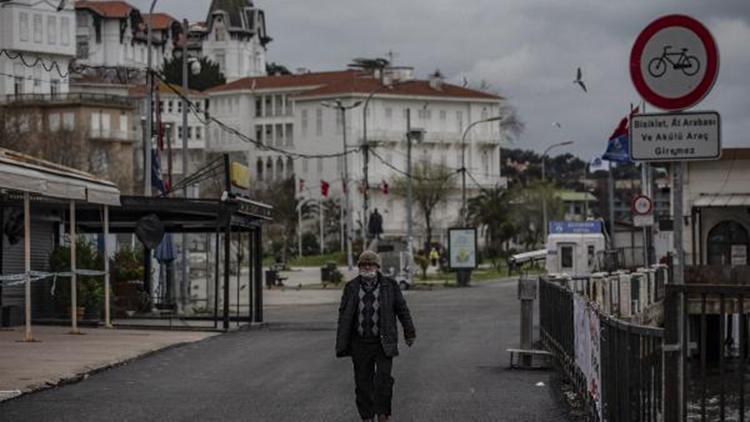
[575,227]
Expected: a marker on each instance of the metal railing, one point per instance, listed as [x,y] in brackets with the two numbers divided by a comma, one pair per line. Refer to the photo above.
[626,357]
[88,98]
[715,353]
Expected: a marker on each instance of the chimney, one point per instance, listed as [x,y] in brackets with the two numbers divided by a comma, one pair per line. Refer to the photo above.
[436,80]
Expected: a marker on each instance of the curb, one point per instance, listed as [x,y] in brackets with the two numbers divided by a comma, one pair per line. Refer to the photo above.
[49,385]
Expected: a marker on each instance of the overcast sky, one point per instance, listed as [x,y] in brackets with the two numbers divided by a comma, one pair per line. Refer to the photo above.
[528,50]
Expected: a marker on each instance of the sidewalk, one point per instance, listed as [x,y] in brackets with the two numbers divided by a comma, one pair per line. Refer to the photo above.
[59,357]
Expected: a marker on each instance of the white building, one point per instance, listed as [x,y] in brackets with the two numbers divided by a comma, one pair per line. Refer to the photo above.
[286,112]
[113,33]
[235,37]
[170,108]
[36,31]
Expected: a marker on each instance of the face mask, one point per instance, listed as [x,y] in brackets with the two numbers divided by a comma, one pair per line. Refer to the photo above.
[369,274]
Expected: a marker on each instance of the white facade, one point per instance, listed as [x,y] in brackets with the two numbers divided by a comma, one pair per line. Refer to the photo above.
[444,121]
[114,41]
[235,38]
[288,117]
[37,31]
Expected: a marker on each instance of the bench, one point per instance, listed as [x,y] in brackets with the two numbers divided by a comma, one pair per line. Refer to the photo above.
[533,353]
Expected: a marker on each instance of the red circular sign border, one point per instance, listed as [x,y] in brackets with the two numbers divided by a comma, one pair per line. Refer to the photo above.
[695,96]
[634,210]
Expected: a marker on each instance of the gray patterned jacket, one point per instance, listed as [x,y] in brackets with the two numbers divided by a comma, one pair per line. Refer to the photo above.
[392,306]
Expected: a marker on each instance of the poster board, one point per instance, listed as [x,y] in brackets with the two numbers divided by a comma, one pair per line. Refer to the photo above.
[462,248]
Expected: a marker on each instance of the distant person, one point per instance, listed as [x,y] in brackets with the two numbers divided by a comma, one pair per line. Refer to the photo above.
[434,256]
[367,332]
[375,226]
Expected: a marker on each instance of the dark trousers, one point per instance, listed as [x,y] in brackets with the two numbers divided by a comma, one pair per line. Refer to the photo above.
[372,376]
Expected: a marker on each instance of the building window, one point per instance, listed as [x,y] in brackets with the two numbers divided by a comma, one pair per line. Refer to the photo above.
[38,34]
[259,133]
[18,86]
[54,87]
[179,106]
[289,135]
[179,133]
[37,79]
[279,105]
[51,30]
[728,244]
[269,135]
[388,113]
[23,26]
[279,135]
[170,106]
[459,122]
[319,122]
[69,121]
[259,168]
[304,122]
[258,107]
[566,257]
[54,122]
[221,60]
[339,120]
[82,47]
[198,134]
[442,115]
[267,106]
[289,104]
[65,31]
[190,132]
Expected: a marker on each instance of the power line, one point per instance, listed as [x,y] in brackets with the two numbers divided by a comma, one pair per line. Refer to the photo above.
[36,61]
[397,170]
[226,128]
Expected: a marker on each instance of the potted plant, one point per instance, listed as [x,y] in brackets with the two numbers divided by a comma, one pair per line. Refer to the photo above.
[90,290]
[127,281]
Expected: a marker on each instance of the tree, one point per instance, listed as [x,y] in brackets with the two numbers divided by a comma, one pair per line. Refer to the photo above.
[209,76]
[274,68]
[528,214]
[281,197]
[493,210]
[430,187]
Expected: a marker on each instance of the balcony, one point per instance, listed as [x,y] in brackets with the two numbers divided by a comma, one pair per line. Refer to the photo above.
[112,135]
[90,99]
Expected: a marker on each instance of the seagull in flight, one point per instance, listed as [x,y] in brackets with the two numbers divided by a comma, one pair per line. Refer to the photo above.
[557,125]
[579,80]
[61,6]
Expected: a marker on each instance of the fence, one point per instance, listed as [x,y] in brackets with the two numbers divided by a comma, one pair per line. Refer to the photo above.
[614,365]
[716,352]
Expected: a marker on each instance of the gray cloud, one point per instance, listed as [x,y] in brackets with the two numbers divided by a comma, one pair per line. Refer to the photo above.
[527,49]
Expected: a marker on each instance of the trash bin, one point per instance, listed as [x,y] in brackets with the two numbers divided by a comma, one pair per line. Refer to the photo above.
[325,274]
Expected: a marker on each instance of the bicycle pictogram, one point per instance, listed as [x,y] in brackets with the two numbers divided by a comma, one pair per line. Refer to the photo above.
[690,65]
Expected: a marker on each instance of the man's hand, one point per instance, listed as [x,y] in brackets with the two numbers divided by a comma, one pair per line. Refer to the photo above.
[409,341]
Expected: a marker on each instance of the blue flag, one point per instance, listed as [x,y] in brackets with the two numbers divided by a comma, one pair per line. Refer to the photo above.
[617,146]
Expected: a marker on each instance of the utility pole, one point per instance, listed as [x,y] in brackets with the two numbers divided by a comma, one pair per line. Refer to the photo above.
[185,90]
[149,106]
[409,228]
[347,212]
[544,179]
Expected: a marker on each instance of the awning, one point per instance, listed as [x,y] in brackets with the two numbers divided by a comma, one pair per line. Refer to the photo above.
[28,174]
[723,200]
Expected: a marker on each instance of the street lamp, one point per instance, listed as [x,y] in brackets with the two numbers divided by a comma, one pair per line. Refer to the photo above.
[338,105]
[544,166]
[365,153]
[463,162]
[149,104]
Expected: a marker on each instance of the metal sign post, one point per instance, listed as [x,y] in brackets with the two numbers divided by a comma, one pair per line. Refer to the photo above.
[674,64]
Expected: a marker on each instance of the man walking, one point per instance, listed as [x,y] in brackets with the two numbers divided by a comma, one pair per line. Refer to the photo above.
[367,332]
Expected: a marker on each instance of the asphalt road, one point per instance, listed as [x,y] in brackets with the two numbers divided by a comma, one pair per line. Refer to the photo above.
[456,371]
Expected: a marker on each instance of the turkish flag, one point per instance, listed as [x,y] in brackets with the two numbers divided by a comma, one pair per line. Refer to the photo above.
[324,186]
[384,187]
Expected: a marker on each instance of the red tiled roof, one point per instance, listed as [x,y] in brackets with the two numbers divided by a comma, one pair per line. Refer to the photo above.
[107,9]
[138,91]
[348,82]
[161,21]
[410,88]
[316,79]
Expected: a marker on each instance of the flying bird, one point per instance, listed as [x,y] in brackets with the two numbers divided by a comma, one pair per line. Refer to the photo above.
[556,124]
[579,80]
[61,6]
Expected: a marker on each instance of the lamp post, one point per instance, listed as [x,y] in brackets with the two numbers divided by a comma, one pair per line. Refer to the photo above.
[463,162]
[149,105]
[366,154]
[544,179]
[339,106]
[418,136]
[195,68]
